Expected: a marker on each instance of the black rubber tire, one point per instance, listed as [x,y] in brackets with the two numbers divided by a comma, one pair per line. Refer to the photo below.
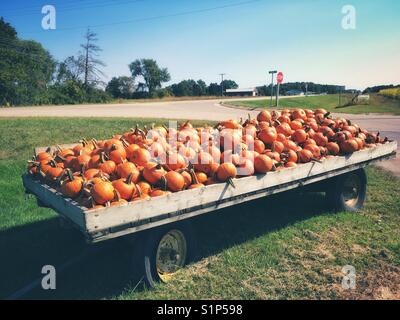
[147,259]
[335,191]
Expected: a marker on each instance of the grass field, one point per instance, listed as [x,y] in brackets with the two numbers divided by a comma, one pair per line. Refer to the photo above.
[378,104]
[282,247]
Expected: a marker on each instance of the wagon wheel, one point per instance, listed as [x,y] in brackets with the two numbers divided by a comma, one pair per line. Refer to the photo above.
[348,192]
[167,249]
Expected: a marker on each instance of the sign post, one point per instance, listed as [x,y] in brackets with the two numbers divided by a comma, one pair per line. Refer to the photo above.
[279,80]
[272,84]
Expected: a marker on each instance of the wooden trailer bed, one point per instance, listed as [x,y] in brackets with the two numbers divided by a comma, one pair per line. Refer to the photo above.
[111,222]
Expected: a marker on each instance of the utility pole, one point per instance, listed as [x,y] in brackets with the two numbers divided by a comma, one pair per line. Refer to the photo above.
[222,83]
[272,84]
[306,89]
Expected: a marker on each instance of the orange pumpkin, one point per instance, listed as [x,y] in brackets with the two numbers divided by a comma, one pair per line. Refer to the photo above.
[264,116]
[126,188]
[72,186]
[117,154]
[304,156]
[175,181]
[153,172]
[102,192]
[144,187]
[268,135]
[226,171]
[140,157]
[263,163]
[127,168]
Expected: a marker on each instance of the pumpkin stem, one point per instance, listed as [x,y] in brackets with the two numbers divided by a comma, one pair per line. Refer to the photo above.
[163,182]
[92,202]
[129,179]
[103,157]
[53,163]
[138,190]
[117,195]
[316,160]
[230,182]
[58,157]
[158,166]
[166,166]
[60,178]
[194,177]
[69,174]
[40,171]
[124,142]
[95,144]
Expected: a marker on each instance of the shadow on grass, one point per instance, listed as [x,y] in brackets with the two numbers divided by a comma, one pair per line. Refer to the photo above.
[109,272]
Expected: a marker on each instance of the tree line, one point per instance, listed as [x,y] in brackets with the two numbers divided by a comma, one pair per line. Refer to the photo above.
[30,75]
[124,87]
[376,89]
[301,86]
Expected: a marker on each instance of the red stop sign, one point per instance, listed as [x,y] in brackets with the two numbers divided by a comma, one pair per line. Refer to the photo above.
[279,77]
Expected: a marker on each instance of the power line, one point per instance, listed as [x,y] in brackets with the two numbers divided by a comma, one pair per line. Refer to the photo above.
[59,8]
[154,17]
[64,4]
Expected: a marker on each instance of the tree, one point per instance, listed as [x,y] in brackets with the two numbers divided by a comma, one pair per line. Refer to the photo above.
[71,69]
[152,74]
[229,84]
[200,88]
[26,68]
[121,87]
[214,89]
[89,58]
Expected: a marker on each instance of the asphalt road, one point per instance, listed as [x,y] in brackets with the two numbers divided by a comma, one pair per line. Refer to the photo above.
[198,109]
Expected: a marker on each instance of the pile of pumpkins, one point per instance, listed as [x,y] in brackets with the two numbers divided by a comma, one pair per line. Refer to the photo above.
[141,163]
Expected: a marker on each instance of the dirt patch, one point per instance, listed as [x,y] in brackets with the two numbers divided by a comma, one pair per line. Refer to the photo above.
[4,155]
[380,283]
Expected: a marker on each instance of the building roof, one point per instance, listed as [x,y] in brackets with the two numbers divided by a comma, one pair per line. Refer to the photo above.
[241,90]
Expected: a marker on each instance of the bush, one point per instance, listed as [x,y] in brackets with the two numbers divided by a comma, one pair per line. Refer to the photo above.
[73,93]
[393,93]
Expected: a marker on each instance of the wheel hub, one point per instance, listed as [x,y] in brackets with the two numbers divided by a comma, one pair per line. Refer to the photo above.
[351,190]
[171,254]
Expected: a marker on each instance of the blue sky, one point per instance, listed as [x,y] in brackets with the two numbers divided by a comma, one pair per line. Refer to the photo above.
[244,39]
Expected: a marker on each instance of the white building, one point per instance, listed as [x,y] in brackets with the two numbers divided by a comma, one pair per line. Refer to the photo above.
[243,92]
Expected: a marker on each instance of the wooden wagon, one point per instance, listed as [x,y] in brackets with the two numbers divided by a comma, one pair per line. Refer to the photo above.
[168,240]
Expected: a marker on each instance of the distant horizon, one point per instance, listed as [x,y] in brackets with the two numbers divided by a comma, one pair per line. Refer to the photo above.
[244,39]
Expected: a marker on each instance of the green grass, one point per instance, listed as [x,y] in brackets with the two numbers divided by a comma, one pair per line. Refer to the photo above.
[377,104]
[281,247]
